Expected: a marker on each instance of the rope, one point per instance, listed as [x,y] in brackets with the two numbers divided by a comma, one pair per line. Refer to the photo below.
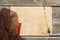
[44,5]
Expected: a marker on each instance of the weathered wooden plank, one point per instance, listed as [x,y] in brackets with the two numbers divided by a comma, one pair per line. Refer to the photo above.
[21,2]
[30,2]
[53,2]
[56,20]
